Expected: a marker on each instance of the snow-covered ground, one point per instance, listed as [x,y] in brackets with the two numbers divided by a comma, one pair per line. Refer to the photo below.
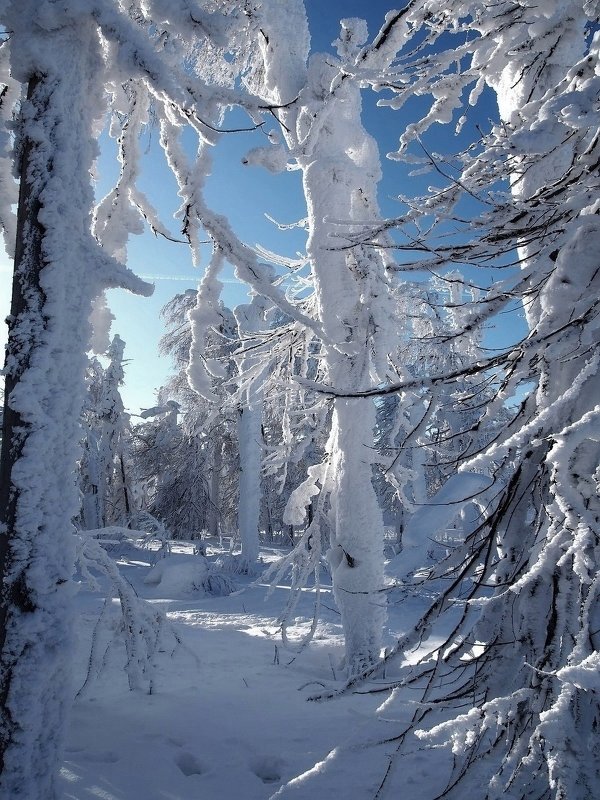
[229,717]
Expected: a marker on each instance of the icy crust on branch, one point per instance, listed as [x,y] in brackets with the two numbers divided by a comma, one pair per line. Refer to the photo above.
[141,625]
[179,62]
[101,319]
[167,58]
[204,317]
[277,63]
[179,70]
[512,49]
[35,55]
[227,247]
[124,208]
[302,496]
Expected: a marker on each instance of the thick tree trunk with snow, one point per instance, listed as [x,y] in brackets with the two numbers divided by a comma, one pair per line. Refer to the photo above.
[356,549]
[44,392]
[340,180]
[356,546]
[44,382]
[28,244]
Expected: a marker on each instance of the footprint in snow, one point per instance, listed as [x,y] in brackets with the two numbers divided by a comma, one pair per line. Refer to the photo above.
[189,764]
[268,768]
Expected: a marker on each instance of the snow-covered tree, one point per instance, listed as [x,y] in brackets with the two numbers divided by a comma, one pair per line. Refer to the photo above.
[57,58]
[527,663]
[63,66]
[89,466]
[351,313]
[106,485]
[208,457]
[325,139]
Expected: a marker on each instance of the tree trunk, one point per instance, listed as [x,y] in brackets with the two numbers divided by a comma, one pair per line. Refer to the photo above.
[250,319]
[35,626]
[356,551]
[28,264]
[249,426]
[338,184]
[44,393]
[214,500]
[125,490]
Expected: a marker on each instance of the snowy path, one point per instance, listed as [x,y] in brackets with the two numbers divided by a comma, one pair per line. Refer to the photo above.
[226,722]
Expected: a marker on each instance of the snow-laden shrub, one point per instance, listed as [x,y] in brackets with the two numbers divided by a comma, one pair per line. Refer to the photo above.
[237,564]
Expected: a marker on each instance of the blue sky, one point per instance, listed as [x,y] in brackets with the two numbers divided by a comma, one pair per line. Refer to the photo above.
[245,194]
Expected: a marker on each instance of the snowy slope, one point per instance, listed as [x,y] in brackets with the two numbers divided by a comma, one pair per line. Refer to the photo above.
[229,719]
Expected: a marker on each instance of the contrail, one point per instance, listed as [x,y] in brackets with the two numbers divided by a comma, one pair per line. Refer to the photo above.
[8,269]
[185,278]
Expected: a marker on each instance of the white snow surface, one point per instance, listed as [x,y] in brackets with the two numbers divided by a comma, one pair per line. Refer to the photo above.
[229,719]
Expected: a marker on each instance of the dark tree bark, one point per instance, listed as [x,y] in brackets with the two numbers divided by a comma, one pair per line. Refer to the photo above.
[27,297]
[53,287]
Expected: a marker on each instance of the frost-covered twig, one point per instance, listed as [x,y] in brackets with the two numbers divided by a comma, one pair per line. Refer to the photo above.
[142,626]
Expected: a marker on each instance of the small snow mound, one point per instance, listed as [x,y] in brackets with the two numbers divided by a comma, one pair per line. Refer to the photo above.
[180,574]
